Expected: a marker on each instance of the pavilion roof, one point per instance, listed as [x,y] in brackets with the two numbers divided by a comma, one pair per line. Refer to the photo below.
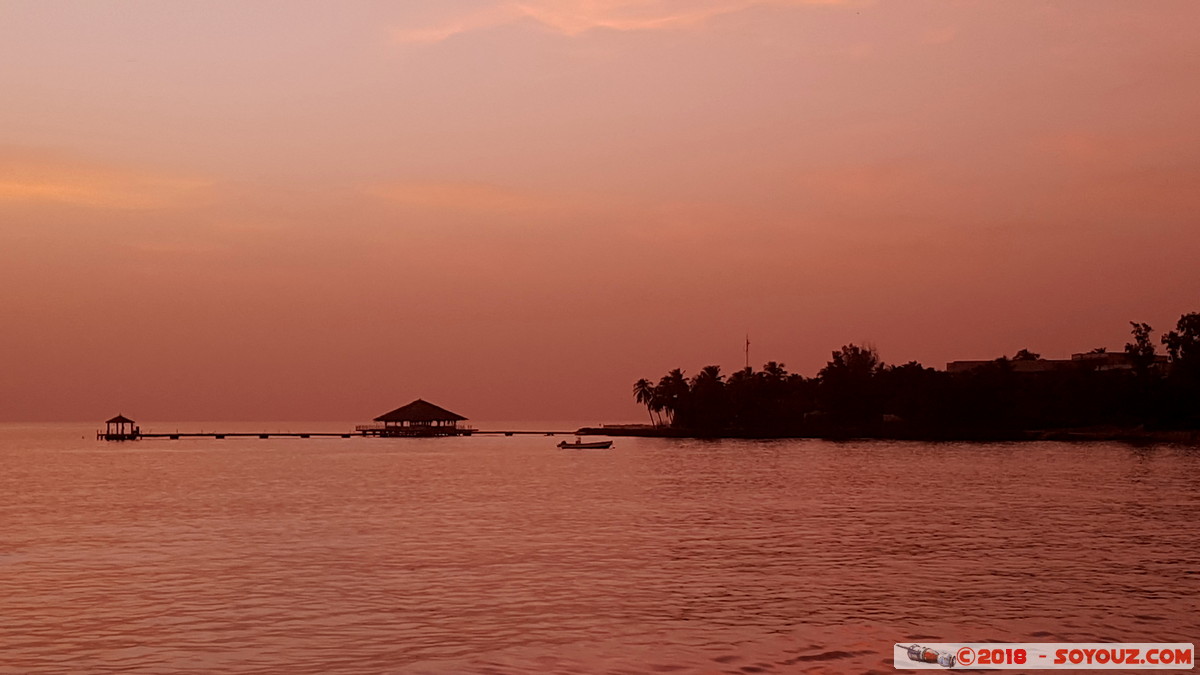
[120,419]
[420,411]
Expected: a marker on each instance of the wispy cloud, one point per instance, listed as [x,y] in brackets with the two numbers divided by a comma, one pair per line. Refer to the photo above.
[573,17]
[34,179]
[462,196]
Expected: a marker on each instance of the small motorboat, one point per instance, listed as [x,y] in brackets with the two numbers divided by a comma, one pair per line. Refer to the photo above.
[580,445]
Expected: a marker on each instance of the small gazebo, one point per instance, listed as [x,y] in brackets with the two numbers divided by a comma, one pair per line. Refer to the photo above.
[419,418]
[120,428]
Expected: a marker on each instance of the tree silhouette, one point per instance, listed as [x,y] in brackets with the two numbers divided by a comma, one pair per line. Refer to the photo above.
[1182,396]
[1183,343]
[671,393]
[643,392]
[848,391]
[708,410]
[775,372]
[1141,350]
[857,394]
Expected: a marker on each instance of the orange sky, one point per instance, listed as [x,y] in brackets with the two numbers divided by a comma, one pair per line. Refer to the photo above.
[315,210]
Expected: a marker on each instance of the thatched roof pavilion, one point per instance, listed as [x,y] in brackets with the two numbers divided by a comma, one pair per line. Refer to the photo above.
[420,413]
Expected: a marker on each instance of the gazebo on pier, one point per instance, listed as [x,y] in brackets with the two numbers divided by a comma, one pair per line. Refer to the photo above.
[419,418]
[119,428]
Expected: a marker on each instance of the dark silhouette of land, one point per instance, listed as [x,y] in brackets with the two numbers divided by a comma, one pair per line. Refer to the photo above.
[1132,394]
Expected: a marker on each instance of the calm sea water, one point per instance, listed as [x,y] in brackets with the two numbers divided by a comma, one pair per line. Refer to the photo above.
[508,555]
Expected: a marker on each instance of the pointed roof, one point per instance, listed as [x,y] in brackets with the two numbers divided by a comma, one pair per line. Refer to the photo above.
[120,419]
[420,411]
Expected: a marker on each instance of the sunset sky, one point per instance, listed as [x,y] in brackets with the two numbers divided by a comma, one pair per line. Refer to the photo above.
[296,210]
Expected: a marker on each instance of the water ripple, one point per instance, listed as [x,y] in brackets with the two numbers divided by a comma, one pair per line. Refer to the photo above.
[507,555]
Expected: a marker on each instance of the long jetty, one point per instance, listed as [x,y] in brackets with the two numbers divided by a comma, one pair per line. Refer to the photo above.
[246,434]
[418,419]
[177,435]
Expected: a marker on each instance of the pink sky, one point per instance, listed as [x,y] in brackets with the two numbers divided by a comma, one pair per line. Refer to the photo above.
[317,210]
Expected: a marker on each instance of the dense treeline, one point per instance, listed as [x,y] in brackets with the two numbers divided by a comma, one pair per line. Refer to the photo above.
[857,394]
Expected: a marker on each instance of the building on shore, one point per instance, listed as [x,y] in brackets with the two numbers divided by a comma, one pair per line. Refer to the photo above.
[419,418]
[1015,365]
[1114,361]
[1096,361]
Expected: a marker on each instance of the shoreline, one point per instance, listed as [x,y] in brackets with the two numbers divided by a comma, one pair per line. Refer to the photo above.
[1182,436]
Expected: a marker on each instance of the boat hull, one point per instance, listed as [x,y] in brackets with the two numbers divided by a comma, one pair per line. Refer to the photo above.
[596,445]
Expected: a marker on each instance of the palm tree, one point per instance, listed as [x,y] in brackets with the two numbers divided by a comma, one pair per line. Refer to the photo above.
[643,392]
[709,376]
[745,391]
[775,371]
[671,393]
[708,409]
[656,407]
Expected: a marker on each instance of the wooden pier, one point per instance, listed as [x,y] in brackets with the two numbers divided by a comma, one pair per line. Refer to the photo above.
[138,434]
[418,419]
[411,431]
[178,435]
[249,434]
[521,433]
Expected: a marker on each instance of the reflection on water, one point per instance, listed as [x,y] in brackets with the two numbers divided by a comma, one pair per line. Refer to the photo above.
[503,555]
